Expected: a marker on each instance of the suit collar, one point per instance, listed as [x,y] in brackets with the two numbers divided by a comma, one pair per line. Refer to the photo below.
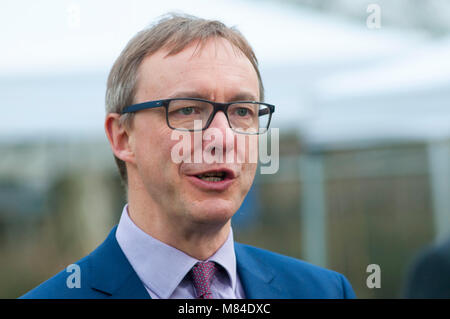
[256,277]
[111,273]
[162,270]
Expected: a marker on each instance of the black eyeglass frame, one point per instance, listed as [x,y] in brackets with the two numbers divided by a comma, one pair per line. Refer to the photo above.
[216,108]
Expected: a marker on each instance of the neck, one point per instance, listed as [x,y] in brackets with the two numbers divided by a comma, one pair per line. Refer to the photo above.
[199,240]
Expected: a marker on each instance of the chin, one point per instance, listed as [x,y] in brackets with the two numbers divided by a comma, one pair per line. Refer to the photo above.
[214,211]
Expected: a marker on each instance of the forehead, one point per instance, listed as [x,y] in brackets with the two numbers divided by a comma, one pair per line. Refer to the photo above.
[214,69]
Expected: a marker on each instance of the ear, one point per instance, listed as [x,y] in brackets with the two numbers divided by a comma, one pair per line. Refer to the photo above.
[119,138]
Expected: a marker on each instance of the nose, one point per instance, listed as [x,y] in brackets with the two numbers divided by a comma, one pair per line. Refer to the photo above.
[219,121]
[223,135]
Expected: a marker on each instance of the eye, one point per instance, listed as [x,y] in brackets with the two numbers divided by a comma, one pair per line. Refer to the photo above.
[186,110]
[242,111]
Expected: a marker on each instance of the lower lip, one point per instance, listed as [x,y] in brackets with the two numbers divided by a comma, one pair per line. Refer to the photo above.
[211,186]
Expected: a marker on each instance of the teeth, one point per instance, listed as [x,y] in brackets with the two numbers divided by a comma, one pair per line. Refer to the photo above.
[213,174]
[211,178]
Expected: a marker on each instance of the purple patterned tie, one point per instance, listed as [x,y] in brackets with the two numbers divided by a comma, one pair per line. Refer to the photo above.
[202,274]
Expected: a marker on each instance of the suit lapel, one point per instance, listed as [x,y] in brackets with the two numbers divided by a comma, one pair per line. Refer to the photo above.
[256,277]
[111,273]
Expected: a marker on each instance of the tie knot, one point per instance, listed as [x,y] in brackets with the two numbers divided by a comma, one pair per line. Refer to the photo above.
[202,274]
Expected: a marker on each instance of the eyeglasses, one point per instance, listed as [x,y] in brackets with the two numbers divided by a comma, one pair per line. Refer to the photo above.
[246,117]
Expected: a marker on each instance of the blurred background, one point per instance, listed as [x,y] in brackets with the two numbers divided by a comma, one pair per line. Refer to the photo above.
[362,91]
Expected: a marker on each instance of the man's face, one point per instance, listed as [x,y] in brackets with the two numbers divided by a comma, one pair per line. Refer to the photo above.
[216,72]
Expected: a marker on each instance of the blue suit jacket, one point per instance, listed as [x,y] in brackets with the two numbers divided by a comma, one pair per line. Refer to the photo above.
[106,273]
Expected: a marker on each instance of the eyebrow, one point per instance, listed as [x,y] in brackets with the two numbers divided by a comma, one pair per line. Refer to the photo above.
[241,96]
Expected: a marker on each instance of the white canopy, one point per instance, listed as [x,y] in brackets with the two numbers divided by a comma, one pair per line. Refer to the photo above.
[56,55]
[403,98]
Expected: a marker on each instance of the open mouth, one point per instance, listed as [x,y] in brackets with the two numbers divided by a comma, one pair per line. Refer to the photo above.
[212,176]
[214,179]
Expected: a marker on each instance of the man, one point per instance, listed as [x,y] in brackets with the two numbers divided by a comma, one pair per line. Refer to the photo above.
[182,77]
[428,275]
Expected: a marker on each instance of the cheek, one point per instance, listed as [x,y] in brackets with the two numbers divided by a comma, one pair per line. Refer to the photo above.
[153,150]
[248,174]
[247,148]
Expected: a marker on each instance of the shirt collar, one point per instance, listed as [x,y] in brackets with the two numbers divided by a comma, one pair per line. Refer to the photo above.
[162,267]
